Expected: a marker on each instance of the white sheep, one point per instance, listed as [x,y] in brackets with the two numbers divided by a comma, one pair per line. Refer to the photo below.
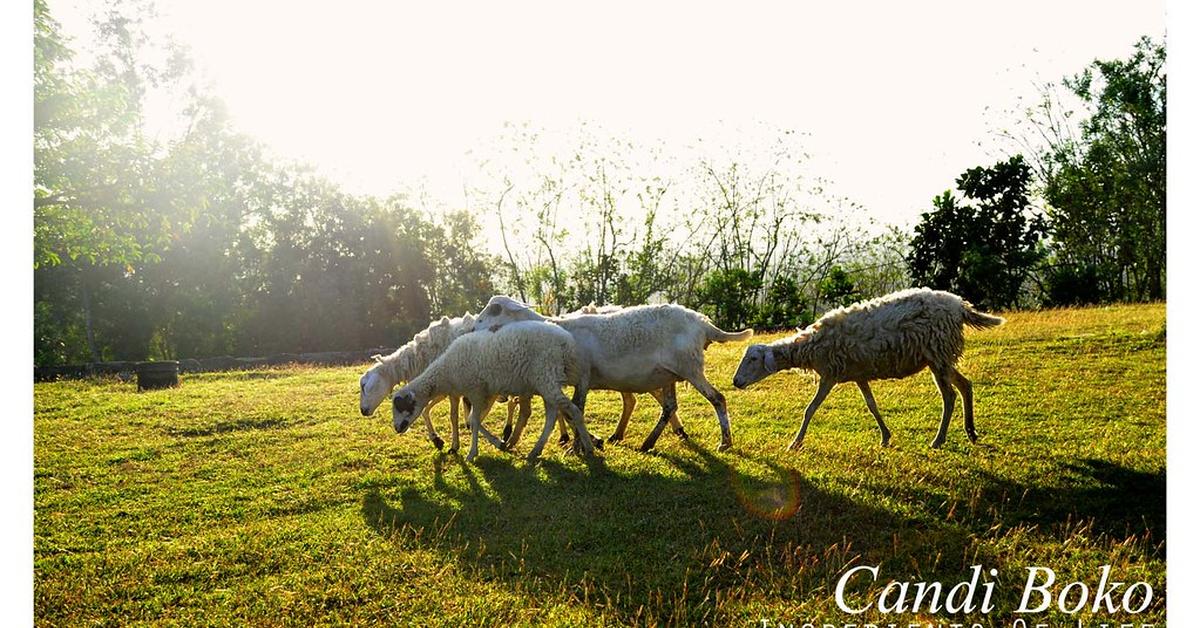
[522,359]
[409,361]
[639,349]
[628,400]
[891,337]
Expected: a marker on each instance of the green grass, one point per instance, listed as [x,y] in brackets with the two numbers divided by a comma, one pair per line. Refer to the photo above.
[265,498]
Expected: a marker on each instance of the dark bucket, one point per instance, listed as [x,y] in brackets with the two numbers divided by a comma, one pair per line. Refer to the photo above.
[154,375]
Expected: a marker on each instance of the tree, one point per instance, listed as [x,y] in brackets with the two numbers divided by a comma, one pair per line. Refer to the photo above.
[784,306]
[730,297]
[1107,190]
[103,194]
[984,245]
[838,288]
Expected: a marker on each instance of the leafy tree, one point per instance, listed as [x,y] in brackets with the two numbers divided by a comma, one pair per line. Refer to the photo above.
[838,288]
[784,306]
[103,195]
[984,245]
[1107,188]
[463,279]
[729,297]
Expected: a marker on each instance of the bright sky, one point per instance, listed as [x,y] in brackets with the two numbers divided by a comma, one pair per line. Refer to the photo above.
[895,96]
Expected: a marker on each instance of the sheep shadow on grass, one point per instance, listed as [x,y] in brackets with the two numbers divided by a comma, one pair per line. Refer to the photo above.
[1115,502]
[684,545]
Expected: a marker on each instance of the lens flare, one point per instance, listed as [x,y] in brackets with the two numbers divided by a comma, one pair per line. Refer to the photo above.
[776,499]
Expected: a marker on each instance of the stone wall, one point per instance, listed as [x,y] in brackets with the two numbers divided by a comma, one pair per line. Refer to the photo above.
[219,363]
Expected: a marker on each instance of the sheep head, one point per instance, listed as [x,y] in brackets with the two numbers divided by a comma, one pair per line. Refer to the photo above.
[501,310]
[405,408]
[757,363]
[373,388]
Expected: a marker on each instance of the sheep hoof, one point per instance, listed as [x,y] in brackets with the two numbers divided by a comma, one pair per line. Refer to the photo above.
[725,446]
[971,436]
[646,446]
[532,457]
[597,443]
[681,434]
[453,450]
[796,445]
[616,438]
[438,442]
[937,444]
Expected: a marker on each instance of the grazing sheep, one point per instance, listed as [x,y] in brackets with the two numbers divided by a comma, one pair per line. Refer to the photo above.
[522,359]
[639,349]
[891,337]
[406,363]
[628,400]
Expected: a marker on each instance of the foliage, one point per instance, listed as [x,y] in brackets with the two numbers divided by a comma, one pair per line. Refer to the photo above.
[1107,190]
[985,245]
[729,296]
[1097,141]
[784,306]
[838,288]
[201,246]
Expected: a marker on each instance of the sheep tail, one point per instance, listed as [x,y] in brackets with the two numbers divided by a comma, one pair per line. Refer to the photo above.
[979,320]
[716,334]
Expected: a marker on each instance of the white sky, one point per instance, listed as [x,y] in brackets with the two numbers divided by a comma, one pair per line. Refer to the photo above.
[894,95]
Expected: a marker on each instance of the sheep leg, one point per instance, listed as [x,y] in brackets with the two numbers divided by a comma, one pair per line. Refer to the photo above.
[564,434]
[433,435]
[454,424]
[676,425]
[429,429]
[584,441]
[508,424]
[823,389]
[884,434]
[522,419]
[666,397]
[942,379]
[964,386]
[628,402]
[551,419]
[718,402]
[478,410]
[473,422]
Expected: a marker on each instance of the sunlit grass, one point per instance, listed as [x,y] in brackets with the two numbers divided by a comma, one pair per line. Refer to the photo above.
[265,498]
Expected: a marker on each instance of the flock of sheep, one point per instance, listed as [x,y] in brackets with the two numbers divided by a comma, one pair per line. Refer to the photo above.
[509,350]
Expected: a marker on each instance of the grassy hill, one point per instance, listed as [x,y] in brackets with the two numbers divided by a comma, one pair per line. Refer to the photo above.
[264,497]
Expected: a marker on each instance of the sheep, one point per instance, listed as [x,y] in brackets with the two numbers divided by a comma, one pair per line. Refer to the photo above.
[522,359]
[406,363]
[628,401]
[891,337]
[638,349]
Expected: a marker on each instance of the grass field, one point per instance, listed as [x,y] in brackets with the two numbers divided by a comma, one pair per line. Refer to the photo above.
[265,498]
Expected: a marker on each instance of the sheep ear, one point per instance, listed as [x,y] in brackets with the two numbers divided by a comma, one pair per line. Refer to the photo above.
[445,321]
[378,358]
[404,402]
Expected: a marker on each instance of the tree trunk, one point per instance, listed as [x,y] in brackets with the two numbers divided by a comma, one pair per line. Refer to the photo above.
[85,293]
